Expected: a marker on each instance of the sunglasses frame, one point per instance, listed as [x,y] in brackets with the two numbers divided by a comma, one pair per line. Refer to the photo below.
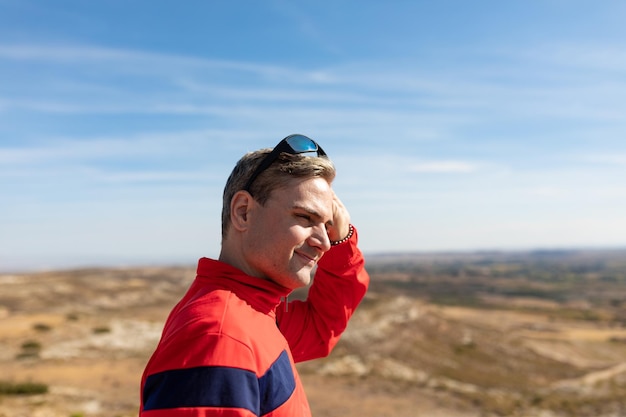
[283,146]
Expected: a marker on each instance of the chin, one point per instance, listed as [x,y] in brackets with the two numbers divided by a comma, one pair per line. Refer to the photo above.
[300,282]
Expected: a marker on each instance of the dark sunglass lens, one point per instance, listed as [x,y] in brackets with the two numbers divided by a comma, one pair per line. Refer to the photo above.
[301,144]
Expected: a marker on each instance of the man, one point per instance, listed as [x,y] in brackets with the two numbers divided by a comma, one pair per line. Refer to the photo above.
[229,346]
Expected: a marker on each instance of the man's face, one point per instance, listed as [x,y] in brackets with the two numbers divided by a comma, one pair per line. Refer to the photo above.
[288,235]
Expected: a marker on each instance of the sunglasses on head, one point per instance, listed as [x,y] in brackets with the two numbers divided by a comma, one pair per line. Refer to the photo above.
[292,144]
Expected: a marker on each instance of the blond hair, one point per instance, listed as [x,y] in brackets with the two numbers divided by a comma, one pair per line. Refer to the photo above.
[279,174]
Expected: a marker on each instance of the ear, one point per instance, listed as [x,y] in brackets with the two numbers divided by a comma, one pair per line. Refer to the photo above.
[240,206]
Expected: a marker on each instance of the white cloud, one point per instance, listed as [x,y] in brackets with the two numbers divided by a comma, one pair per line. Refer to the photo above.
[119,60]
[613,159]
[548,192]
[444,167]
[154,176]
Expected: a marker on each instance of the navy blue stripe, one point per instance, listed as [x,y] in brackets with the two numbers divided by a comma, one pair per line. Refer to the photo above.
[224,387]
[207,386]
[277,385]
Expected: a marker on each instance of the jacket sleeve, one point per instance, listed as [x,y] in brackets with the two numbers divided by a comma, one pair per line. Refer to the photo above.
[313,327]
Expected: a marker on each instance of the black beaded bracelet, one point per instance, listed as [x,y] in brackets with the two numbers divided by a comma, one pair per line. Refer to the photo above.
[345,239]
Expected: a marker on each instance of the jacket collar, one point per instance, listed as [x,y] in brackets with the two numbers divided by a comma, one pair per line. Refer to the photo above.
[262,294]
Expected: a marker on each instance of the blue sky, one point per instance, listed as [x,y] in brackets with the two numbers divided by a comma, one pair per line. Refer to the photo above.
[455,125]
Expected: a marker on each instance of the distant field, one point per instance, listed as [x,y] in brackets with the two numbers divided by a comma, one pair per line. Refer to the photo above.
[571,280]
[438,335]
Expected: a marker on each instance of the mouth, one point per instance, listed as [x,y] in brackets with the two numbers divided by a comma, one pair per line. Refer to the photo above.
[309,259]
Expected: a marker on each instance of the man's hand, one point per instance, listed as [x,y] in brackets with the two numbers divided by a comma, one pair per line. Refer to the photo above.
[340,226]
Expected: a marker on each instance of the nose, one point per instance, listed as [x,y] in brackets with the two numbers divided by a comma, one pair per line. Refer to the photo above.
[319,238]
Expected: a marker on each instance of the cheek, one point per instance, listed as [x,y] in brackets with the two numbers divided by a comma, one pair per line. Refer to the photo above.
[297,236]
[275,242]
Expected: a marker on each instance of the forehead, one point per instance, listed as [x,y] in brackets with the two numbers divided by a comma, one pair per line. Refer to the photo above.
[312,194]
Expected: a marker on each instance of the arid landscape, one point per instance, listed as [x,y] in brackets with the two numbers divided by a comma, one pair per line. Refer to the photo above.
[539,334]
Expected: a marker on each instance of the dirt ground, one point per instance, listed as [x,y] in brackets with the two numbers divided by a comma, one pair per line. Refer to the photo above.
[87,335]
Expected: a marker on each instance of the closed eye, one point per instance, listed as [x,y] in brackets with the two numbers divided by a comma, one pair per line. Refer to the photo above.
[305,217]
[312,217]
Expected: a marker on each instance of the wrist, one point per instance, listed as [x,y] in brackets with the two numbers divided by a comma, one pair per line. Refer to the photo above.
[345,239]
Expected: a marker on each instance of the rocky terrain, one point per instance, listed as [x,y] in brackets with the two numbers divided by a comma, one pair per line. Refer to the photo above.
[437,336]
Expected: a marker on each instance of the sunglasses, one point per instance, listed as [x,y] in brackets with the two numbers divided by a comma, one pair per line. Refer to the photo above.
[292,144]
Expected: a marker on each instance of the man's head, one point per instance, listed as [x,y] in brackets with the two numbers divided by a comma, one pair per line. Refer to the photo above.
[274,220]
[285,168]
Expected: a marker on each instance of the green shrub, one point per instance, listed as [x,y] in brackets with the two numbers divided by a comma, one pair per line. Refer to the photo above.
[42,327]
[72,317]
[22,388]
[30,349]
[27,355]
[31,345]
[101,329]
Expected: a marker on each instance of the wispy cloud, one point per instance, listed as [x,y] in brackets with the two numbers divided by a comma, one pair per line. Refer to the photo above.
[610,159]
[444,167]
[127,58]
[154,176]
[116,81]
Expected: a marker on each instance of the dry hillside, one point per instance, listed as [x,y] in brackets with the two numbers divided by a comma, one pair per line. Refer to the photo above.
[438,336]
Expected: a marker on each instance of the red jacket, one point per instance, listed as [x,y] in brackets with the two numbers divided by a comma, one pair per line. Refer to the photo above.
[229,346]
